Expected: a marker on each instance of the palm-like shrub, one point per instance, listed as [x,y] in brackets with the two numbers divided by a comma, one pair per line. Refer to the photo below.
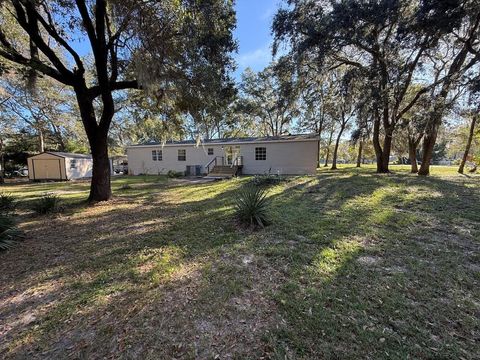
[7,203]
[8,233]
[251,206]
[174,174]
[48,203]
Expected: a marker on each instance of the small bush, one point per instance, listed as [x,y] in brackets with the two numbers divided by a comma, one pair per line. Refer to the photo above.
[125,187]
[251,206]
[174,174]
[9,234]
[267,179]
[48,203]
[7,203]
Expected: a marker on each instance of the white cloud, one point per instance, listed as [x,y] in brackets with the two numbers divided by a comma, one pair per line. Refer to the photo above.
[256,59]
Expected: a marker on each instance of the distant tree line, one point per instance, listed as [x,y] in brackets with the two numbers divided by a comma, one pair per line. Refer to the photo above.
[372,78]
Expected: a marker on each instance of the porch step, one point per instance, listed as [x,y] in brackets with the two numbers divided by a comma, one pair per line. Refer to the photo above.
[221,171]
[224,169]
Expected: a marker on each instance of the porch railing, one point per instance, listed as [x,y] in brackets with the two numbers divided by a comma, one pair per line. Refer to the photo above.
[214,162]
[238,161]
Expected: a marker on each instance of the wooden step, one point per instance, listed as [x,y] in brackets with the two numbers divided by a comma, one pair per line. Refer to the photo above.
[218,176]
[222,171]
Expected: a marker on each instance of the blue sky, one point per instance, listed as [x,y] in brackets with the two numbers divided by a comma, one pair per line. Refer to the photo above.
[254,19]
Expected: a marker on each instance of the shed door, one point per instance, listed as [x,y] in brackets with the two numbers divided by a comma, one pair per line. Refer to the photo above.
[47,169]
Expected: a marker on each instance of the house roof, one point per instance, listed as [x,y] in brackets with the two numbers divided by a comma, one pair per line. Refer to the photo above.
[281,138]
[67,155]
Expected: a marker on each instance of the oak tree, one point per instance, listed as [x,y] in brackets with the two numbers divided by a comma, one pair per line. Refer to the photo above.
[152,45]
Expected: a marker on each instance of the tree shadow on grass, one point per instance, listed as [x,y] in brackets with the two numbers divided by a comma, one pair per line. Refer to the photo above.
[379,270]
[172,275]
[118,250]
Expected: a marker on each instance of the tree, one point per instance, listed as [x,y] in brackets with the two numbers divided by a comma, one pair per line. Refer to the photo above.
[363,131]
[471,133]
[359,137]
[50,111]
[412,126]
[270,97]
[4,131]
[328,144]
[315,103]
[344,110]
[461,22]
[207,109]
[154,45]
[388,41]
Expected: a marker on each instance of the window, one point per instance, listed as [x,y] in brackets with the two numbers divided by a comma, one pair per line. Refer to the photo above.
[157,155]
[210,151]
[182,155]
[73,163]
[260,153]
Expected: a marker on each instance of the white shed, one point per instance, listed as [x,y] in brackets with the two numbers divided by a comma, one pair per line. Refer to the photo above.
[52,165]
[289,154]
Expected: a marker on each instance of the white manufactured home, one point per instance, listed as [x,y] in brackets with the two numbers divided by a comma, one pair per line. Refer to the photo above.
[289,154]
[52,165]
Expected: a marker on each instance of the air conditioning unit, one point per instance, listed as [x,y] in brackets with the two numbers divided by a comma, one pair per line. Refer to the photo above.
[194,170]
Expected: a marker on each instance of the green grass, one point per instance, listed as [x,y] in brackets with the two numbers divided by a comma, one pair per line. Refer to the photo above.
[354,265]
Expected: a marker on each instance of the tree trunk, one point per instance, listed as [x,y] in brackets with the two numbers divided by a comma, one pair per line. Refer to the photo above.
[41,140]
[359,156]
[376,144]
[318,153]
[387,148]
[382,154]
[59,136]
[328,148]
[412,154]
[440,106]
[428,145]
[320,129]
[469,143]
[100,189]
[327,156]
[2,163]
[335,151]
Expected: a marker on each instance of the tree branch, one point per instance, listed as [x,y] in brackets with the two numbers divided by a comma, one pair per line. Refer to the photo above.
[96,91]
[30,25]
[14,56]
[50,27]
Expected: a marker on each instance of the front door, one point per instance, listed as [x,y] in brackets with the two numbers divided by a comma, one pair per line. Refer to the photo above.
[231,153]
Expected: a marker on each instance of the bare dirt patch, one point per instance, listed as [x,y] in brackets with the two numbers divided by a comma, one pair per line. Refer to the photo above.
[368,260]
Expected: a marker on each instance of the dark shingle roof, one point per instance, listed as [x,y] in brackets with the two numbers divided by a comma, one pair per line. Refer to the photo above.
[298,137]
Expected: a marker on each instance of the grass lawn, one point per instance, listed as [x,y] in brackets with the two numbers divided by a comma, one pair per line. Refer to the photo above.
[355,265]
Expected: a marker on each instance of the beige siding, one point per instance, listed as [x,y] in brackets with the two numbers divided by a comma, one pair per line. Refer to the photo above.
[82,169]
[140,158]
[287,157]
[295,158]
[46,167]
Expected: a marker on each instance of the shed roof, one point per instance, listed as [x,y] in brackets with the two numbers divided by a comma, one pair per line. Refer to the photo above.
[281,138]
[66,155]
